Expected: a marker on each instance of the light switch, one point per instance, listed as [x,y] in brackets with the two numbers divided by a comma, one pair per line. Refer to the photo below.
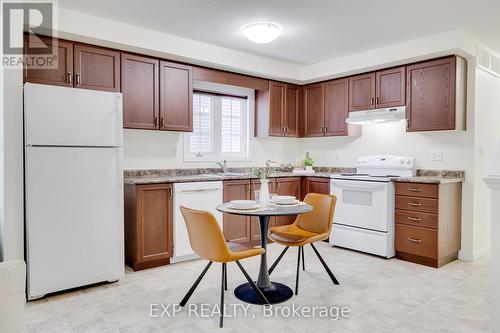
[437,155]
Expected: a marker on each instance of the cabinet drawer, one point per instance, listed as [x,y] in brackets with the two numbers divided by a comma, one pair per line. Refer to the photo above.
[417,204]
[416,218]
[416,240]
[417,190]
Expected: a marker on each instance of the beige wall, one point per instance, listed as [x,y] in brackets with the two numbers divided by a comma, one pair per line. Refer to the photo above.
[487,124]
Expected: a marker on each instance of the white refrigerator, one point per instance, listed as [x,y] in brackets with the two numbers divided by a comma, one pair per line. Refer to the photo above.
[73,188]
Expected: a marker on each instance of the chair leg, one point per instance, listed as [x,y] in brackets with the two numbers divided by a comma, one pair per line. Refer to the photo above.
[275,263]
[335,281]
[225,278]
[196,283]
[259,293]
[298,270]
[223,284]
[303,261]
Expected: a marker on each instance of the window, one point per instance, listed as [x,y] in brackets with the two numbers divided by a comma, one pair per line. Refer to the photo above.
[220,127]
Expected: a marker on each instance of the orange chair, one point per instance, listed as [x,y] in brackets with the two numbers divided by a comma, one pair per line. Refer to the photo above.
[207,241]
[307,229]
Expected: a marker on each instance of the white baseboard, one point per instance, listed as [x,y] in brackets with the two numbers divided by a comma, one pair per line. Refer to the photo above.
[468,256]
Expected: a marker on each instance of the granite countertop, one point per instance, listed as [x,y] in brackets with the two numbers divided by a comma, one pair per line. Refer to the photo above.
[159,179]
[434,177]
[141,177]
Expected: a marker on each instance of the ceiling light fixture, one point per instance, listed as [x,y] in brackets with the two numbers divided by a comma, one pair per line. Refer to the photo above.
[262,32]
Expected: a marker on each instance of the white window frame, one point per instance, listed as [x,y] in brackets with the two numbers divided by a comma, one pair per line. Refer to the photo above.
[247,127]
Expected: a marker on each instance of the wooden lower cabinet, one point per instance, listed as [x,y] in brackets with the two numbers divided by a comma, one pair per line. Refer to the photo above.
[236,228]
[287,186]
[428,220]
[315,185]
[148,225]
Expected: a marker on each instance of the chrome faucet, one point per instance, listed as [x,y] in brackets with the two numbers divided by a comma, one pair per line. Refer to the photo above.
[223,166]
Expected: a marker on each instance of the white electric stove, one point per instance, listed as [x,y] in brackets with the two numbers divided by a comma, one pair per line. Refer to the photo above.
[364,215]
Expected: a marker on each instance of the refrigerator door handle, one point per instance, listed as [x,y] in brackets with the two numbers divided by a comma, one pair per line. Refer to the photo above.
[119,176]
[119,124]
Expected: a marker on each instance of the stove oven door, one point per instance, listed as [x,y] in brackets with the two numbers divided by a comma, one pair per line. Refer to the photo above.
[363,204]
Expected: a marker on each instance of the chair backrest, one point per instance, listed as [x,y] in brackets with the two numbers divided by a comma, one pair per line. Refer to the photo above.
[320,219]
[205,234]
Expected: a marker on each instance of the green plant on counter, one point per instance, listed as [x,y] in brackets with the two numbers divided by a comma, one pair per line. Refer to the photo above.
[308,161]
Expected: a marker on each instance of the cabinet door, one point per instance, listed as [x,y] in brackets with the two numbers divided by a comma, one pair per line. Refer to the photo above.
[287,186]
[291,113]
[316,185]
[391,88]
[362,92]
[97,68]
[176,97]
[236,228]
[336,107]
[431,95]
[154,222]
[60,76]
[313,110]
[276,108]
[140,88]
[254,221]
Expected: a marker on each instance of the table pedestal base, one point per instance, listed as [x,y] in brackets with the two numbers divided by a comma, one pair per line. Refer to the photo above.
[276,293]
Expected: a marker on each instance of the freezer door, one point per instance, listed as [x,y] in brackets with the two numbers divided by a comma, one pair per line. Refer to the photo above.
[61,116]
[74,217]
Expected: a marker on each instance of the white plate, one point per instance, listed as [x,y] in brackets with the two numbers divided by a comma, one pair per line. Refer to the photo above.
[288,203]
[285,199]
[243,204]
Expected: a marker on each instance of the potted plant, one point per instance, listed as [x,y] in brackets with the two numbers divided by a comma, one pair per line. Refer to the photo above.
[308,163]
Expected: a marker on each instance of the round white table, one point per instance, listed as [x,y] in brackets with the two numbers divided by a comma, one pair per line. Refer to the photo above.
[275,292]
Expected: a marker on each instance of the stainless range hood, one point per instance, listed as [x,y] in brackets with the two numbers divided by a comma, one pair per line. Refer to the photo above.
[377,116]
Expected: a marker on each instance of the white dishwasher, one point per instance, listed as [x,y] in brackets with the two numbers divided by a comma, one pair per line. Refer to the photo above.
[196,195]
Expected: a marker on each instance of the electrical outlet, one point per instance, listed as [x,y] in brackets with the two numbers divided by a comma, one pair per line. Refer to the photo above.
[437,155]
[338,155]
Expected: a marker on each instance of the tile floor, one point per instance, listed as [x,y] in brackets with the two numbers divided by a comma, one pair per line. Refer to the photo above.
[383,296]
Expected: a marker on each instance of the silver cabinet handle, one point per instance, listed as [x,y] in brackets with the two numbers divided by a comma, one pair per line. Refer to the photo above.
[413,189]
[415,204]
[376,100]
[70,79]
[414,218]
[371,101]
[414,240]
[77,78]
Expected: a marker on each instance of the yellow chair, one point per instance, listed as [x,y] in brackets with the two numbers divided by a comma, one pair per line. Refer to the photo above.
[207,241]
[307,229]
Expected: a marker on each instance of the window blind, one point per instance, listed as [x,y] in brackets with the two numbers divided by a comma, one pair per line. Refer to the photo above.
[231,123]
[201,139]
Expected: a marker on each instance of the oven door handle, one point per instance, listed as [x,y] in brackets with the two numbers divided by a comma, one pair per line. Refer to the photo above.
[358,185]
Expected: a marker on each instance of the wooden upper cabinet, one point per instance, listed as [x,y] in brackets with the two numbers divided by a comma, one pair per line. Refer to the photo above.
[291,111]
[176,97]
[431,95]
[313,110]
[140,89]
[277,93]
[60,76]
[154,223]
[236,228]
[96,68]
[277,110]
[362,92]
[336,107]
[390,87]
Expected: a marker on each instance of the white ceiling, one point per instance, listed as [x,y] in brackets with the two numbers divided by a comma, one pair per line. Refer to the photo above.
[314,30]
